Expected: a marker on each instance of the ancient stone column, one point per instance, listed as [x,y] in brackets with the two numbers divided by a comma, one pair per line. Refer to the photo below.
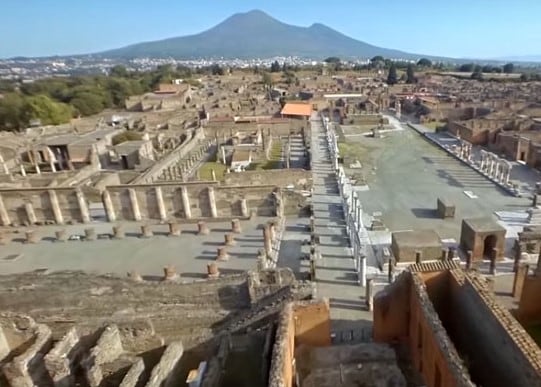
[212,270]
[61,235]
[221,254]
[83,207]
[469,259]
[443,255]
[520,277]
[212,202]
[213,174]
[185,202]
[518,255]
[4,216]
[492,267]
[108,205]
[235,226]
[267,241]
[90,234]
[32,236]
[244,208]
[136,212]
[169,273]
[369,297]
[161,205]
[23,170]
[390,269]
[229,239]
[135,276]
[451,254]
[174,229]
[202,228]
[418,257]
[272,230]
[118,232]
[146,231]
[30,214]
[57,213]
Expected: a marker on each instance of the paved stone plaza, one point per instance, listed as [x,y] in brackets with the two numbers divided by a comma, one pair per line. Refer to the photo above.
[189,253]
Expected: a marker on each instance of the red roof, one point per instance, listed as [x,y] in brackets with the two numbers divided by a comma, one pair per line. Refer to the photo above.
[297,109]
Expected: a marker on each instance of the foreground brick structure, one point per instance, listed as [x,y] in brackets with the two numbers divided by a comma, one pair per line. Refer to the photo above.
[455,332]
[484,237]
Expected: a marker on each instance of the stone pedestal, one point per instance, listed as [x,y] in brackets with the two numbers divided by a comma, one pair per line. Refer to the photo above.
[229,239]
[221,254]
[235,226]
[118,232]
[61,235]
[418,257]
[32,236]
[169,273]
[469,259]
[90,234]
[212,270]
[146,231]
[174,229]
[444,254]
[202,228]
[3,239]
[451,254]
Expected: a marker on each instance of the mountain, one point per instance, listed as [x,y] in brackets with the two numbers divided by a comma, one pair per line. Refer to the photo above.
[257,35]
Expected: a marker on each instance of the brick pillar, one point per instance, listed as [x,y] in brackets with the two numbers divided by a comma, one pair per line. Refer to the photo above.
[369,297]
[520,277]
[202,228]
[118,232]
[57,213]
[30,214]
[235,226]
[212,202]
[186,202]
[159,202]
[83,207]
[174,229]
[4,216]
[108,205]
[136,212]
[221,254]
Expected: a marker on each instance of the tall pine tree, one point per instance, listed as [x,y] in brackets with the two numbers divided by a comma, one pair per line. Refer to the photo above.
[392,77]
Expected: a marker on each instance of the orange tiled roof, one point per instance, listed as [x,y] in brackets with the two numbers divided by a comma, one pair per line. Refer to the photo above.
[297,109]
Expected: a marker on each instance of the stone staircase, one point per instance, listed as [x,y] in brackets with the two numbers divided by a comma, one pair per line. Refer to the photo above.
[29,357]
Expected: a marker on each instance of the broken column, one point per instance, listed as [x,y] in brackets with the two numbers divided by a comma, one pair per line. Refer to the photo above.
[185,202]
[469,259]
[108,205]
[174,229]
[4,216]
[160,203]
[267,241]
[135,276]
[213,174]
[83,207]
[30,214]
[493,258]
[90,234]
[32,236]
[212,270]
[418,257]
[520,277]
[61,235]
[146,231]
[221,254]
[229,240]
[136,212]
[118,232]
[212,202]
[235,226]
[369,297]
[202,228]
[443,255]
[57,213]
[169,273]
[451,254]
[244,208]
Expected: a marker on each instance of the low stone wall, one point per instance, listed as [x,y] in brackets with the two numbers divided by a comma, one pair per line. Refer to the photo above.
[299,178]
[107,349]
[168,362]
[134,375]
[61,359]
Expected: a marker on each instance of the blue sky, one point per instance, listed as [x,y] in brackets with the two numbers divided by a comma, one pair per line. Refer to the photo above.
[455,28]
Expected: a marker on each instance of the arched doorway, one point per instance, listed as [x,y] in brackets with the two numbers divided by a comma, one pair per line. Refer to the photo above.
[489,245]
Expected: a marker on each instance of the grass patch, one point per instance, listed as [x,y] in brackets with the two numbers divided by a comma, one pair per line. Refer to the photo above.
[434,124]
[205,170]
[274,162]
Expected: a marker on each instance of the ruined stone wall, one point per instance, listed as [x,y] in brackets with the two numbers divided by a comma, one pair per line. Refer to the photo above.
[529,307]
[300,323]
[480,328]
[281,128]
[300,178]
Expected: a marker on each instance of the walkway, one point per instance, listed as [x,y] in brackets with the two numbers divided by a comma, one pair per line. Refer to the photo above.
[336,278]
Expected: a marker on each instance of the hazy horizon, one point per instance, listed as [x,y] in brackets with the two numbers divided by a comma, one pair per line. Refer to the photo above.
[459,30]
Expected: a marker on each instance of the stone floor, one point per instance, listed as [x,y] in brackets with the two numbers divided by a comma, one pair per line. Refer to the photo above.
[189,253]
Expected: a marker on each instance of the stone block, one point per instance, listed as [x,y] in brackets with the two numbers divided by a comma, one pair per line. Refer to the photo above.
[162,371]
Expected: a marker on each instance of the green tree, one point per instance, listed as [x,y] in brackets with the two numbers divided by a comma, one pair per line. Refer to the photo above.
[332,59]
[410,74]
[119,71]
[266,79]
[46,110]
[466,68]
[275,67]
[86,103]
[423,62]
[392,77]
[508,68]
[217,70]
[11,112]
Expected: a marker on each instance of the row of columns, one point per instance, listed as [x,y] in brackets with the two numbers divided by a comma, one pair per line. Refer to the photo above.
[58,216]
[182,168]
[495,167]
